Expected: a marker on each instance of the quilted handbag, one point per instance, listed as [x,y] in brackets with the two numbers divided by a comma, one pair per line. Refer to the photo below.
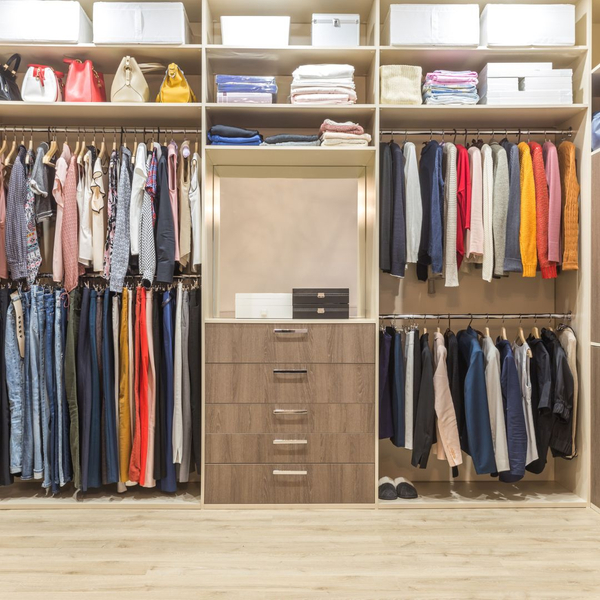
[42,84]
[9,90]
[175,87]
[84,83]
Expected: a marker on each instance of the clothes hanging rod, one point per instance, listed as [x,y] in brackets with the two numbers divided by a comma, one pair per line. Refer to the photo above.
[87,129]
[477,316]
[478,131]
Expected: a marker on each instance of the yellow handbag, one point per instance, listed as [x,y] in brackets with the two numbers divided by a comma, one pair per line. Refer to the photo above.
[175,87]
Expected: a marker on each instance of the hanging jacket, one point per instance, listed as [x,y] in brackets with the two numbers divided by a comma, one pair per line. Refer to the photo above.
[386,192]
[570,202]
[432,190]
[541,401]
[164,229]
[16,222]
[568,341]
[424,433]
[478,441]
[456,389]
[463,201]
[474,238]
[516,434]
[542,203]
[527,234]
[397,385]
[561,395]
[414,208]
[398,245]
[512,252]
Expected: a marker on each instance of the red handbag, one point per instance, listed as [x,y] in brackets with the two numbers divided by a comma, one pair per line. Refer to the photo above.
[84,83]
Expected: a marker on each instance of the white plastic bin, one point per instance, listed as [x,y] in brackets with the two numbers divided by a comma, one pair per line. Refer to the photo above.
[335,30]
[255,32]
[263,306]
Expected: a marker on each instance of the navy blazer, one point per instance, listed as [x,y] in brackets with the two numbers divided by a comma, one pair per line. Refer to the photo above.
[479,444]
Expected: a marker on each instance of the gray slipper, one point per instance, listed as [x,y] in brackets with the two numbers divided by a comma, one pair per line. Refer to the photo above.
[387,489]
[405,489]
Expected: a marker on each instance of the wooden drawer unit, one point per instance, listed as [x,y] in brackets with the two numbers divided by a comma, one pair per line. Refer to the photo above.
[290,418]
[289,383]
[285,484]
[248,448]
[290,343]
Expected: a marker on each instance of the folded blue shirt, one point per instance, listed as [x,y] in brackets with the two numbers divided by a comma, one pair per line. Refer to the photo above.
[218,140]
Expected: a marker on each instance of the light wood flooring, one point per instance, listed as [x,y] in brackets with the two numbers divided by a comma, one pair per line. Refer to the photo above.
[128,554]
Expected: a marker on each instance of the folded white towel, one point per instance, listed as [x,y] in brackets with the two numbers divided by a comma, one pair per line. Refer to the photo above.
[323,99]
[323,71]
[324,90]
[340,135]
[338,81]
[344,143]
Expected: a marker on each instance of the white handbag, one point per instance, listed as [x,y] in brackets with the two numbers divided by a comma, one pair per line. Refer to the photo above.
[129,84]
[42,84]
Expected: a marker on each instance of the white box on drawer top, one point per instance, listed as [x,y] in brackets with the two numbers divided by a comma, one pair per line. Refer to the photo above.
[432,25]
[335,30]
[141,23]
[44,22]
[528,25]
[263,306]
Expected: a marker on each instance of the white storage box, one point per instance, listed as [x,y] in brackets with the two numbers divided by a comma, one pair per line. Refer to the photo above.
[432,25]
[141,23]
[255,32]
[335,30]
[263,306]
[528,25]
[44,22]
[546,83]
[528,98]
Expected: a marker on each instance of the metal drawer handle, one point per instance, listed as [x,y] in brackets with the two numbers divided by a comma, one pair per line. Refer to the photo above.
[290,411]
[290,371]
[278,472]
[289,442]
[291,331]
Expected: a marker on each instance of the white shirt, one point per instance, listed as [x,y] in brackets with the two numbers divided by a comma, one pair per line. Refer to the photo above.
[138,185]
[414,207]
[488,208]
[84,204]
[98,217]
[493,387]
[522,361]
[196,211]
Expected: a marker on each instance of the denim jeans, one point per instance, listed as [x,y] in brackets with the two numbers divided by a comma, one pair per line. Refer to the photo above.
[14,381]
[66,420]
[51,388]
[38,294]
[34,376]
[60,388]
[28,444]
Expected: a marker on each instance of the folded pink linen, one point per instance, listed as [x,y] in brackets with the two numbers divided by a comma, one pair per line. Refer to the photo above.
[347,127]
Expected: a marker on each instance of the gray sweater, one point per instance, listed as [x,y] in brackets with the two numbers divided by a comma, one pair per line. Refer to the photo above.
[512,255]
[500,206]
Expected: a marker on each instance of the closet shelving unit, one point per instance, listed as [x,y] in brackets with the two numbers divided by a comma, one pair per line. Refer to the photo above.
[565,483]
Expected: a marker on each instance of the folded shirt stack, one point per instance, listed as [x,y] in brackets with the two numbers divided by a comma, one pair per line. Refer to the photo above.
[224,135]
[242,89]
[451,87]
[323,85]
[292,139]
[343,134]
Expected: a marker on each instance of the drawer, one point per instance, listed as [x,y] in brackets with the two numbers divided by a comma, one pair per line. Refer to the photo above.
[306,484]
[289,383]
[291,343]
[290,418]
[249,448]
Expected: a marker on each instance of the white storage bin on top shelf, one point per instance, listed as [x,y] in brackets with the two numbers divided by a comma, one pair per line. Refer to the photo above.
[431,25]
[263,306]
[255,31]
[44,22]
[335,30]
[141,23]
[528,25]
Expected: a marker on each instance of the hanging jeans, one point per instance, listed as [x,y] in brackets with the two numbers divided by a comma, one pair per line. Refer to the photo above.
[84,385]
[195,340]
[51,389]
[28,425]
[5,475]
[168,483]
[66,420]
[71,382]
[35,390]
[60,387]
[112,461]
[95,459]
[15,379]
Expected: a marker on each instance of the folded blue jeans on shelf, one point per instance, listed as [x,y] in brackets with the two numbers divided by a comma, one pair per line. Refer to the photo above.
[217,140]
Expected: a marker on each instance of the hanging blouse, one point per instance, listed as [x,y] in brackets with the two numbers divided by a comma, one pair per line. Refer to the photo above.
[113,182]
[98,217]
[488,211]
[173,196]
[196,211]
[16,227]
[34,257]
[185,229]
[138,187]
[84,204]
[3,263]
[474,237]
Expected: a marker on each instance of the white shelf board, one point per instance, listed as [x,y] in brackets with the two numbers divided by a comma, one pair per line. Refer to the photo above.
[106,59]
[283,61]
[480,115]
[101,114]
[488,494]
[292,322]
[286,116]
[291,156]
[470,58]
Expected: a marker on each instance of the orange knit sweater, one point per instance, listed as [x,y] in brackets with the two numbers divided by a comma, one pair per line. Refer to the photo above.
[542,211]
[527,231]
[570,202]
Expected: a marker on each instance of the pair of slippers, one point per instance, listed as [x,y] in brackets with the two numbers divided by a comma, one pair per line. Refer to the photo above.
[392,489]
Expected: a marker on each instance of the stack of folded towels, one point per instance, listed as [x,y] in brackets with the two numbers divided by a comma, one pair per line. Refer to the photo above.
[343,134]
[292,139]
[323,85]
[242,89]
[451,87]
[224,135]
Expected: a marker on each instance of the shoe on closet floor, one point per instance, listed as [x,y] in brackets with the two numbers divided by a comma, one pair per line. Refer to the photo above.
[405,489]
[387,489]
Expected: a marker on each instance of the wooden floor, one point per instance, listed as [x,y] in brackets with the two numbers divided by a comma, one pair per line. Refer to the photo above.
[290,555]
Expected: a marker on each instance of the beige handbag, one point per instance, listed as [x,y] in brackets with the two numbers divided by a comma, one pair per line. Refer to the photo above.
[129,84]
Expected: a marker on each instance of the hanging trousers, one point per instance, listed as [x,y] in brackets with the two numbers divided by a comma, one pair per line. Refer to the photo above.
[51,389]
[124,410]
[65,447]
[101,422]
[160,467]
[168,483]
[71,382]
[6,477]
[84,384]
[95,458]
[112,461]
[194,348]
[143,379]
[134,463]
